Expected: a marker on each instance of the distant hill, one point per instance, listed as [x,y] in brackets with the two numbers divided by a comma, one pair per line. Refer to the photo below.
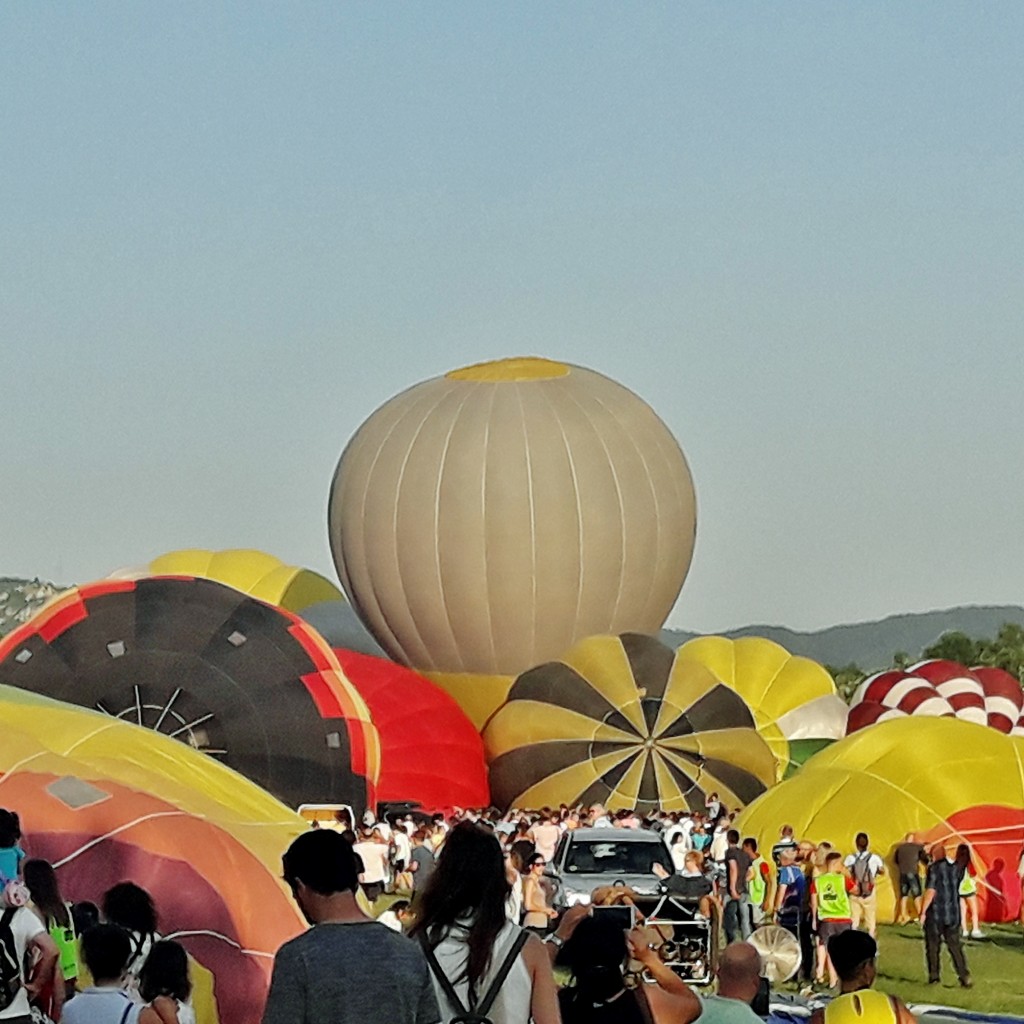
[871,645]
[21,599]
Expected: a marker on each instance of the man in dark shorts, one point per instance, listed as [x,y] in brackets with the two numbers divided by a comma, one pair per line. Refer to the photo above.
[831,913]
[910,857]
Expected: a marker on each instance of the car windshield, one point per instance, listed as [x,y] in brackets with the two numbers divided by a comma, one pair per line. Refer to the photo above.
[615,858]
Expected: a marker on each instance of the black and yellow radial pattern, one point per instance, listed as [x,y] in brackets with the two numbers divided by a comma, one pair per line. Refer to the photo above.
[624,722]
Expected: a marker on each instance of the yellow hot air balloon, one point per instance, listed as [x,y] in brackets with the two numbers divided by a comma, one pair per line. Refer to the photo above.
[943,779]
[484,521]
[252,572]
[792,698]
[104,800]
[622,721]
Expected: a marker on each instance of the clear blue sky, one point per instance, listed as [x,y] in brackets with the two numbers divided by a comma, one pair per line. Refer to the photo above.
[230,231]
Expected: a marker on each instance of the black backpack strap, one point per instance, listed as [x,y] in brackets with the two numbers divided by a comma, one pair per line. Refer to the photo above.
[503,972]
[127,1010]
[442,978]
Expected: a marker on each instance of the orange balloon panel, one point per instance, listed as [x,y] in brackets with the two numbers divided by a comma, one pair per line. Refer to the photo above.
[106,802]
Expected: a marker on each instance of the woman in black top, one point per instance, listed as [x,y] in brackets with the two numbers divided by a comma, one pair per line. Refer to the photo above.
[596,955]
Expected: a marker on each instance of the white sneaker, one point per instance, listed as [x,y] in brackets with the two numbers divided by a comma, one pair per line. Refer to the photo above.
[977,934]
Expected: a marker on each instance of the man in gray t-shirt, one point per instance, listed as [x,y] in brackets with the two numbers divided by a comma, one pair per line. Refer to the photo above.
[421,861]
[347,969]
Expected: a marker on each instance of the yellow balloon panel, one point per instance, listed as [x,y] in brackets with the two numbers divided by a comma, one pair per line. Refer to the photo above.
[252,572]
[896,777]
[104,800]
[790,696]
[622,721]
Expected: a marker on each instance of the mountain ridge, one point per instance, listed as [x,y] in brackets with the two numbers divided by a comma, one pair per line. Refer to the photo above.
[870,645]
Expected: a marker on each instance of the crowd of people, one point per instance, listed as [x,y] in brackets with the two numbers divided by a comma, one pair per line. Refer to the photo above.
[473,893]
[79,963]
[424,919]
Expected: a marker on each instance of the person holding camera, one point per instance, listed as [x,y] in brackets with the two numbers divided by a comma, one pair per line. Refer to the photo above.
[596,951]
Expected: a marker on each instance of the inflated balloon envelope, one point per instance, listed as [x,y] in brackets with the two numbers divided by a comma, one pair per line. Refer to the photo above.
[943,779]
[484,521]
[106,801]
[624,721]
[236,677]
[793,699]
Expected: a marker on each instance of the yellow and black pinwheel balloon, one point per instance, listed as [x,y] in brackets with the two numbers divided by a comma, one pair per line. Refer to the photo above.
[620,720]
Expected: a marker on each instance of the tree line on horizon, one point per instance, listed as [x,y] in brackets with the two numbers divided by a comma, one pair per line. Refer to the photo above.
[1005,650]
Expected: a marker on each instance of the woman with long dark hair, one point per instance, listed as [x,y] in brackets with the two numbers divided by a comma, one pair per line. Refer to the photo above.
[538,913]
[596,953]
[462,923]
[41,882]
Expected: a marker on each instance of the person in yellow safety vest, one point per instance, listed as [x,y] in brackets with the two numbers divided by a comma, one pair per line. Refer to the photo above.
[853,955]
[757,883]
[830,912]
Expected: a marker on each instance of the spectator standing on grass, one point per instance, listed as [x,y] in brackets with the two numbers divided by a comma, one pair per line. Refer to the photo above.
[24,938]
[595,951]
[758,878]
[347,968]
[165,986]
[538,914]
[106,950]
[864,867]
[49,904]
[910,857]
[968,893]
[132,908]
[831,913]
[786,842]
[940,915]
[545,835]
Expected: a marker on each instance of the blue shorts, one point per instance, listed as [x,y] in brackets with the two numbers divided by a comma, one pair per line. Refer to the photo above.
[910,885]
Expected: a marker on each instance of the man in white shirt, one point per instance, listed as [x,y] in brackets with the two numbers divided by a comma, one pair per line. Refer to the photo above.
[22,931]
[375,855]
[403,847]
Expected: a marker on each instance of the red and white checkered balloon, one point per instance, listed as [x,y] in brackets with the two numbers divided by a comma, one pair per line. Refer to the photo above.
[945,689]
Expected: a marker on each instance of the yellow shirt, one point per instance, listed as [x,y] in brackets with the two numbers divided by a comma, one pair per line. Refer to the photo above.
[866,1006]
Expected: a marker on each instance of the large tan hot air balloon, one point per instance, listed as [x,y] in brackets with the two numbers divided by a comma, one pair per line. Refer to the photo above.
[484,521]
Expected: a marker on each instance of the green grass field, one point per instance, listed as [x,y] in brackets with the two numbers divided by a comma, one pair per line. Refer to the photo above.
[996,963]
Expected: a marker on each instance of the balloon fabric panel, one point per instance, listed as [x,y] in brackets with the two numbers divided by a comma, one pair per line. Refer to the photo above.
[620,720]
[205,664]
[481,524]
[430,751]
